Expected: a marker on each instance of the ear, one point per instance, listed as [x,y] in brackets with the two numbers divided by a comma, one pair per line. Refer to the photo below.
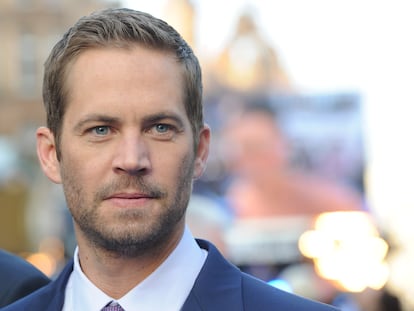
[203,147]
[46,152]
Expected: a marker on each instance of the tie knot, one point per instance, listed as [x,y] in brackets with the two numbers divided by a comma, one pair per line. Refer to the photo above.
[112,306]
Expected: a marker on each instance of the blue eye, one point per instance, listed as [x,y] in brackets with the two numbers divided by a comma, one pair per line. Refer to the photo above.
[162,128]
[101,130]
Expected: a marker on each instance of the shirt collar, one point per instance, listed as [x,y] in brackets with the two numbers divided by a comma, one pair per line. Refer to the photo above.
[166,288]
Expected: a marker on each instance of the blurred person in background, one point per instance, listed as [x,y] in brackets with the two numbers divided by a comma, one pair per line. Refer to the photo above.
[263,182]
[125,137]
[18,278]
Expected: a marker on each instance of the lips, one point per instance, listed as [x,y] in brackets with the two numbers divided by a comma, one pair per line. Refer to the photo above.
[128,196]
[129,199]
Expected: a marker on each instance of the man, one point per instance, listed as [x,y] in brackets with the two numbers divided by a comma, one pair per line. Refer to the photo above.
[125,137]
[19,278]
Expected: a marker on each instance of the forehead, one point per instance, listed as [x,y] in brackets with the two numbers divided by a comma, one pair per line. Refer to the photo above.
[132,78]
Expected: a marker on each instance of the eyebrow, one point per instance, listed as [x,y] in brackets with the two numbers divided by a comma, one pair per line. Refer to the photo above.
[163,116]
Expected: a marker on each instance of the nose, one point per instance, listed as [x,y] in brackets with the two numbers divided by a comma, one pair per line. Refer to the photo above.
[132,156]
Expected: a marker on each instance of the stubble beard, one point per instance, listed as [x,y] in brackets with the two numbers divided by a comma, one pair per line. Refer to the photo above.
[136,238]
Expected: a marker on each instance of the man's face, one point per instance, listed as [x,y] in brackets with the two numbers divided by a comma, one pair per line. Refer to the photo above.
[127,156]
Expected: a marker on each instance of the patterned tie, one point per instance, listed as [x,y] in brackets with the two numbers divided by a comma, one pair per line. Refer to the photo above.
[112,307]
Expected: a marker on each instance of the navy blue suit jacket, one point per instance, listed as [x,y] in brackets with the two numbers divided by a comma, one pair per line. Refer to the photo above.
[18,278]
[220,286]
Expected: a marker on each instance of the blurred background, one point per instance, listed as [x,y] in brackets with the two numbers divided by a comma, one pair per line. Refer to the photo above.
[308,184]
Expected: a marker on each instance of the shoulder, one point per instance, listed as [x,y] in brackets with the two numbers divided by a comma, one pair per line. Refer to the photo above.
[11,265]
[49,297]
[19,278]
[258,295]
[35,301]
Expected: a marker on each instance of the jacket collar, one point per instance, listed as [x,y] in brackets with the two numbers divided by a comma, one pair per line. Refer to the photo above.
[218,285]
[58,291]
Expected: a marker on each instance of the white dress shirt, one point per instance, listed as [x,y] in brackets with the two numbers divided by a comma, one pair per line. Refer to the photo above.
[165,289]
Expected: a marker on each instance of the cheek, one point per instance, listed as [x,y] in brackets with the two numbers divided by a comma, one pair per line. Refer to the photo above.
[174,167]
[80,169]
[168,167]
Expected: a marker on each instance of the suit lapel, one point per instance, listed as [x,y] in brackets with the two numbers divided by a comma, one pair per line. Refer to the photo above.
[217,287]
[57,289]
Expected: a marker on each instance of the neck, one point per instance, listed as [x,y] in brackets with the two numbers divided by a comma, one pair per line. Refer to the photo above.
[115,274]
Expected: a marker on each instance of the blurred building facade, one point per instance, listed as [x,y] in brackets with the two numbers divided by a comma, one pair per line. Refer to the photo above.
[250,63]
